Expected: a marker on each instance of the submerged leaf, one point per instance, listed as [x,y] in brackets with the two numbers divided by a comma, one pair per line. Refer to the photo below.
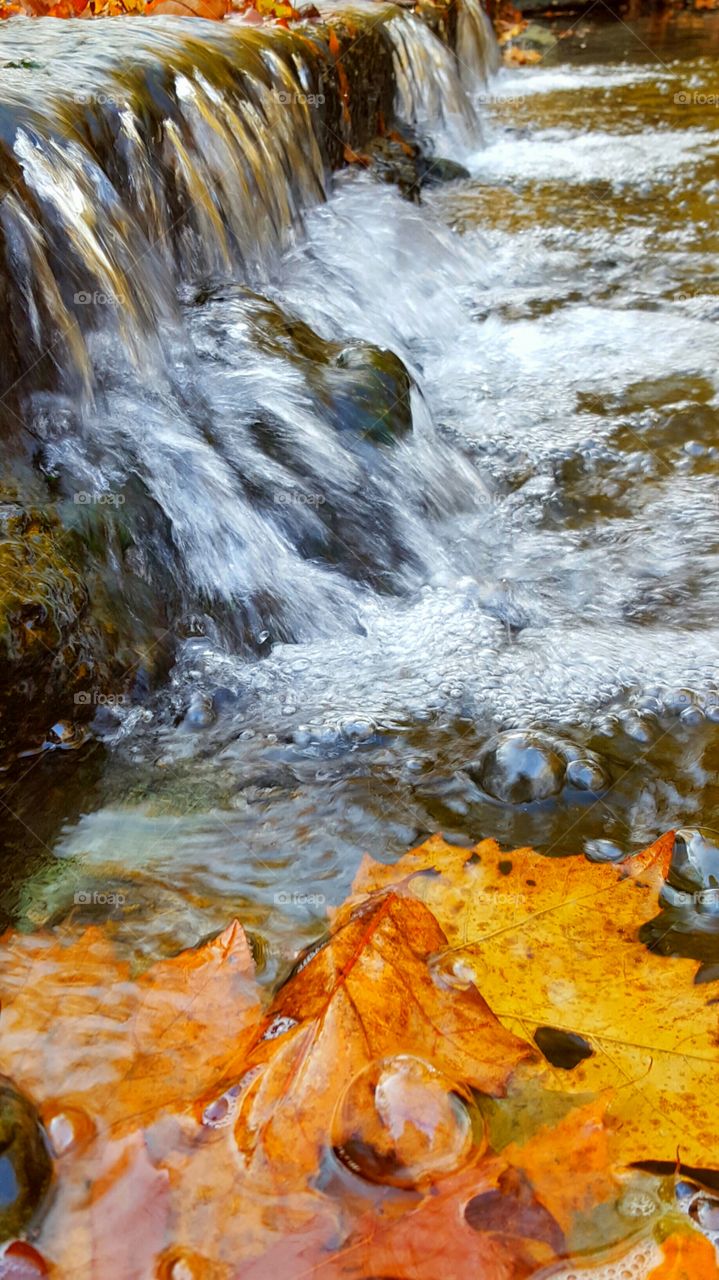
[555,943]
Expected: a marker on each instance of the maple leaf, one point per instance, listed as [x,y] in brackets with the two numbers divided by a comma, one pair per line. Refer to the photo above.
[555,947]
[77,1032]
[366,994]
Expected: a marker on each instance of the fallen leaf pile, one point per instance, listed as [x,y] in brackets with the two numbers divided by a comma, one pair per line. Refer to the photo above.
[469,1077]
[277,10]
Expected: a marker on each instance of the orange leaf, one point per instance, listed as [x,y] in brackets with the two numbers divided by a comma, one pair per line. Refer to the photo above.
[76,1030]
[366,995]
[687,1257]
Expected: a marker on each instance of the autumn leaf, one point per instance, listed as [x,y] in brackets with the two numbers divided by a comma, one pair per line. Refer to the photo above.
[76,1032]
[517,57]
[110,1060]
[361,1011]
[365,995]
[554,946]
[686,1257]
[501,1218]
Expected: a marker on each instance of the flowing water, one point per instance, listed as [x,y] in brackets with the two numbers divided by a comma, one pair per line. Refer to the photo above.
[357,604]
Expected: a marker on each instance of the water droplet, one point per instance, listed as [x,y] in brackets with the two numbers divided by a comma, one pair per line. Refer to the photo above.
[221,1112]
[20,1261]
[402,1123]
[449,969]
[278,1027]
[68,1129]
[695,860]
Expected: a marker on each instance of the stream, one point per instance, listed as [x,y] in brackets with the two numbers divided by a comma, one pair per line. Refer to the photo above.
[491,608]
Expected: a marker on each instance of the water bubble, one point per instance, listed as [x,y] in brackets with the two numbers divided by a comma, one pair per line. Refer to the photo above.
[451,970]
[519,768]
[648,703]
[68,1129]
[20,1261]
[402,1123]
[692,716]
[704,1210]
[279,1027]
[200,713]
[182,1265]
[66,736]
[358,730]
[586,775]
[221,1112]
[603,851]
[638,728]
[679,700]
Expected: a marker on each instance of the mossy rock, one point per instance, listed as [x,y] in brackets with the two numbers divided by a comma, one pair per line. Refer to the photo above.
[70,628]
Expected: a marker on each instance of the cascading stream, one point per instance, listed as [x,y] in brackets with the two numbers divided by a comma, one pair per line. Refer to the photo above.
[135,389]
[387,477]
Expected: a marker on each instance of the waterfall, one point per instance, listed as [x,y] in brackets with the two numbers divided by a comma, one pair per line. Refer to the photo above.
[163,396]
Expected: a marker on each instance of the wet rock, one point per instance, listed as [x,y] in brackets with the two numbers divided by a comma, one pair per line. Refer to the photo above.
[372,397]
[25,1164]
[396,160]
[519,768]
[399,160]
[66,640]
[434,170]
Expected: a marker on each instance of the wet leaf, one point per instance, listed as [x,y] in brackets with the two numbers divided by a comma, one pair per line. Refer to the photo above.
[502,1218]
[687,1257]
[75,1029]
[367,995]
[556,943]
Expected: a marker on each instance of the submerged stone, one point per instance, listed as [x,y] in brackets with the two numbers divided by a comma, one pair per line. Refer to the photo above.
[586,774]
[435,170]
